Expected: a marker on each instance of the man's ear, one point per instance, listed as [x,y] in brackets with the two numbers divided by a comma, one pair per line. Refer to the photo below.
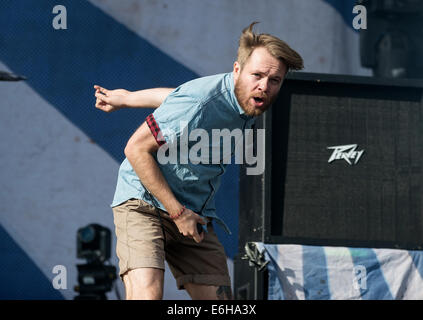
[236,71]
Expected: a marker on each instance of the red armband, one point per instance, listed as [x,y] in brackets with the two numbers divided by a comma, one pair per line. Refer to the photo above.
[179,214]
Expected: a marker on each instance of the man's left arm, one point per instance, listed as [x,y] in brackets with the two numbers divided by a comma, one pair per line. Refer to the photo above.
[112,100]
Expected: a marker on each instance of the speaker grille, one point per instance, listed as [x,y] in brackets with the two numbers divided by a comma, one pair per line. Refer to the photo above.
[376,199]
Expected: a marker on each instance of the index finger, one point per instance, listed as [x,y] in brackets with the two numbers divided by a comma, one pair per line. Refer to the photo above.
[103,90]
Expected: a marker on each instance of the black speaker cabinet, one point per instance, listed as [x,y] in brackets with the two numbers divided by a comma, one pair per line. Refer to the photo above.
[343,165]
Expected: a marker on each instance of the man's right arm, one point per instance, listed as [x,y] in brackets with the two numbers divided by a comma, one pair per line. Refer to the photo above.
[139,151]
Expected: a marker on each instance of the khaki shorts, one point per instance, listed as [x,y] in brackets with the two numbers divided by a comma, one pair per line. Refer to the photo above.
[140,245]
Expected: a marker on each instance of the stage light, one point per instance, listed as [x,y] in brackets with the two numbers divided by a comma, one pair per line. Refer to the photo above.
[94,278]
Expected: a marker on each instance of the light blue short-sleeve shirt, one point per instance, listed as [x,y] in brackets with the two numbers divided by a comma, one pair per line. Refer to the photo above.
[191,114]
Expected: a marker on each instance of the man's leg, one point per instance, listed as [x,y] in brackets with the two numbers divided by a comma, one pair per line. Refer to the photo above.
[139,247]
[144,284]
[206,292]
[200,268]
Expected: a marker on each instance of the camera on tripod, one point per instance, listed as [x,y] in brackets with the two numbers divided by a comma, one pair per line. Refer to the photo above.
[94,278]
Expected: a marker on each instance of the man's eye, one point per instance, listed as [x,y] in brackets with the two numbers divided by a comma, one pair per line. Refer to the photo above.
[256,75]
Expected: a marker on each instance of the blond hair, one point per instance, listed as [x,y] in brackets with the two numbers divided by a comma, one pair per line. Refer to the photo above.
[275,46]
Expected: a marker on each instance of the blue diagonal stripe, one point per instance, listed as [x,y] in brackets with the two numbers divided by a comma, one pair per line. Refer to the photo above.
[417,258]
[316,282]
[20,278]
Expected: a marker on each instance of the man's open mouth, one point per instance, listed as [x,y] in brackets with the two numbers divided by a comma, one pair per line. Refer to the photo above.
[259,102]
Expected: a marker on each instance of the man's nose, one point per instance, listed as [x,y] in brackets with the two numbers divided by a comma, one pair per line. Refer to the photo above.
[263,85]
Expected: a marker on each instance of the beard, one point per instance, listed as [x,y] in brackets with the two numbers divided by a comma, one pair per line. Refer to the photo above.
[244,100]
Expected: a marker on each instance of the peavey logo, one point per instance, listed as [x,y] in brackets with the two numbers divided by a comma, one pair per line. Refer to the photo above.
[346,152]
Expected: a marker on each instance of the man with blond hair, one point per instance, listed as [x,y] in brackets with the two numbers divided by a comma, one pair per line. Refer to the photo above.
[164,210]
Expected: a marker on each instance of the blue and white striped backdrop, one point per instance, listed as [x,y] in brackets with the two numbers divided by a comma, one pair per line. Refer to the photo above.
[60,156]
[298,272]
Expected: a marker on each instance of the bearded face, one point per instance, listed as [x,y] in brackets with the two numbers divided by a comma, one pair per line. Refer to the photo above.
[258,83]
[253,103]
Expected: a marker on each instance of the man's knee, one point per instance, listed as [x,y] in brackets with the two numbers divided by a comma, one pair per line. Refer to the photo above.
[144,284]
